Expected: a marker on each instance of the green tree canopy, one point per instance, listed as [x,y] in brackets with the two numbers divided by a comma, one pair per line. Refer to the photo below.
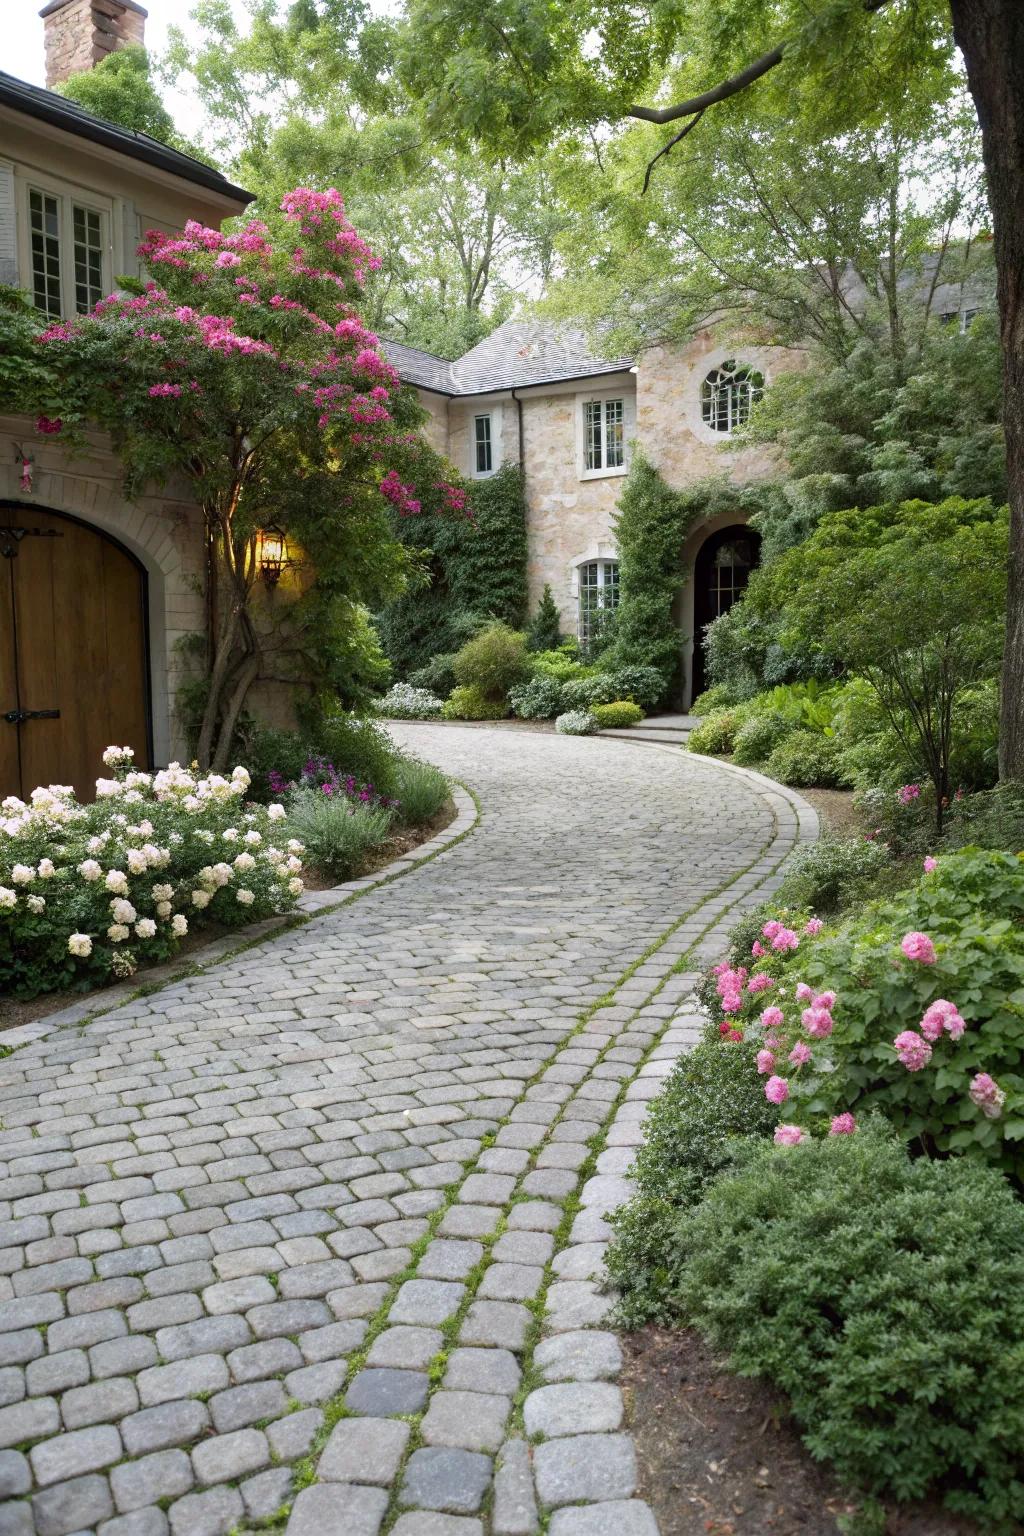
[120,89]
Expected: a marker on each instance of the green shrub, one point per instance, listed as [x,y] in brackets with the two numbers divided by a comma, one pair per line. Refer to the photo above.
[360,748]
[558,665]
[404,702]
[716,734]
[883,1296]
[585,692]
[493,662]
[758,737]
[267,751]
[471,704]
[576,722]
[539,699]
[643,685]
[422,790]
[545,633]
[991,820]
[438,676]
[711,1102]
[337,835]
[713,700]
[617,716]
[804,757]
[831,875]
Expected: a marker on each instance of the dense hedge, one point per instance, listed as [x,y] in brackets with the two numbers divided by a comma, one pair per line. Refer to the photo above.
[468,574]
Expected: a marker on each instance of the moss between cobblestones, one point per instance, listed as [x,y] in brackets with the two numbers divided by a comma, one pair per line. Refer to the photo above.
[304,1471]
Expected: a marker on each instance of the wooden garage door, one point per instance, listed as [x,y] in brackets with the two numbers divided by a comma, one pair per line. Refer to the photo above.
[73,675]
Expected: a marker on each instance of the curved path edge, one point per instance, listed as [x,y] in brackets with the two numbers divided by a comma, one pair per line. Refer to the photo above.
[535,1301]
[310,904]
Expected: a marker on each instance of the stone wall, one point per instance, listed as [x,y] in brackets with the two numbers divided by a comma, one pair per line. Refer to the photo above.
[80,33]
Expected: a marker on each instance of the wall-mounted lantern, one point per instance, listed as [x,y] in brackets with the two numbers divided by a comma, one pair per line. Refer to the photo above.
[271,554]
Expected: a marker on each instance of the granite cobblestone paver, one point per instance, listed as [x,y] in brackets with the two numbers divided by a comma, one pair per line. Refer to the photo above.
[210,1194]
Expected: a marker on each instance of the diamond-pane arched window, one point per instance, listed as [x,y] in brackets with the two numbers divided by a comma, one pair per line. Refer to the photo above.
[727,394]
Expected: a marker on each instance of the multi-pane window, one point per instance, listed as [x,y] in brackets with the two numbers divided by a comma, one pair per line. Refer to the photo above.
[727,394]
[604,437]
[88,253]
[483,460]
[730,574]
[599,596]
[66,245]
[44,234]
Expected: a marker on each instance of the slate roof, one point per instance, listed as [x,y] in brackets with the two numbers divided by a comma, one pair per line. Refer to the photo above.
[518,354]
[61,113]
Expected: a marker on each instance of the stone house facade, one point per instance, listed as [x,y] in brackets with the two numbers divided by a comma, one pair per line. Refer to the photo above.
[536,395]
[97,595]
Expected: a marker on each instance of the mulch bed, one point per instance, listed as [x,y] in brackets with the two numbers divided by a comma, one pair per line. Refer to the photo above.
[719,1455]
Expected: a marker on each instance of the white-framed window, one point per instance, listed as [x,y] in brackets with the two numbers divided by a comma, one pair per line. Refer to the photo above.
[67,249]
[598,585]
[604,434]
[483,444]
[605,427]
[727,394]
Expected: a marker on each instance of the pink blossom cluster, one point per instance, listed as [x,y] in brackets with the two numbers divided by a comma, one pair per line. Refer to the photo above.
[940,1016]
[987,1095]
[918,946]
[729,985]
[913,1050]
[780,937]
[909,793]
[315,211]
[399,495]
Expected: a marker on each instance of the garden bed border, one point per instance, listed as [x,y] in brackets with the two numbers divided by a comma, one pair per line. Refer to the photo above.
[310,904]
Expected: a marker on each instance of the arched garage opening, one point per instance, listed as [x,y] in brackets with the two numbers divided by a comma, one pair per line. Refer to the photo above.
[74,641]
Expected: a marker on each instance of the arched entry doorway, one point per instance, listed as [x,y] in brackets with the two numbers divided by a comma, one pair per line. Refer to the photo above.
[721,572]
[73,651]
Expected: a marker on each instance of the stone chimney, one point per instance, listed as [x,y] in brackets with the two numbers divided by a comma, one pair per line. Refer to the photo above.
[79,33]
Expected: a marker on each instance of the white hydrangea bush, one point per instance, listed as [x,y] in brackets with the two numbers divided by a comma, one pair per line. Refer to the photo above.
[576,722]
[93,891]
[404,702]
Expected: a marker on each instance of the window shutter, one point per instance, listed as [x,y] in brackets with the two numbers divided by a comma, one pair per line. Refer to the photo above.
[129,262]
[8,228]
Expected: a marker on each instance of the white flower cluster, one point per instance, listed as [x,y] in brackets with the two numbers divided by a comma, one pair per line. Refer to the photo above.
[98,862]
[404,702]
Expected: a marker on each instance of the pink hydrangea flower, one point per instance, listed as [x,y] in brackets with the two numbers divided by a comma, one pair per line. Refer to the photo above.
[986,1093]
[788,1136]
[813,926]
[735,1034]
[801,1054]
[930,864]
[942,1015]
[765,1062]
[757,949]
[909,793]
[776,1090]
[760,983]
[772,1017]
[843,1125]
[804,994]
[732,1002]
[825,1000]
[913,1050]
[817,1022]
[771,928]
[918,946]
[785,939]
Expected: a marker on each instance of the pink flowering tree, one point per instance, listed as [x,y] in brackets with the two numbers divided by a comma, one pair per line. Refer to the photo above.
[243,365]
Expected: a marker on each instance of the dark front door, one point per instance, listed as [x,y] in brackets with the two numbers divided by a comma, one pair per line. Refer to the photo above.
[724,563]
[73,672]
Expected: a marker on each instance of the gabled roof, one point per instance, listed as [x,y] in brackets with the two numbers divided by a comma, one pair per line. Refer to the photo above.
[56,110]
[518,354]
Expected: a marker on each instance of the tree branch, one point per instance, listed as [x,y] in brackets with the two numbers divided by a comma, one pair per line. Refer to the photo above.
[695,106]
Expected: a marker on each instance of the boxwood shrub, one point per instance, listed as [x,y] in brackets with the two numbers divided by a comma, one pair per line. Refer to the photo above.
[884,1296]
[617,716]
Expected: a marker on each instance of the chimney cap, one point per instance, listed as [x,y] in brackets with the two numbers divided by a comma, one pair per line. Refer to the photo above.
[125,5]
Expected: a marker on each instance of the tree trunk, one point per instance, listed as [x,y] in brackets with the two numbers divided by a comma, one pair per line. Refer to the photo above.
[990,35]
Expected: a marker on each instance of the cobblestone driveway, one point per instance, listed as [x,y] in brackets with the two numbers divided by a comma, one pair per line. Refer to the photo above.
[308,1241]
